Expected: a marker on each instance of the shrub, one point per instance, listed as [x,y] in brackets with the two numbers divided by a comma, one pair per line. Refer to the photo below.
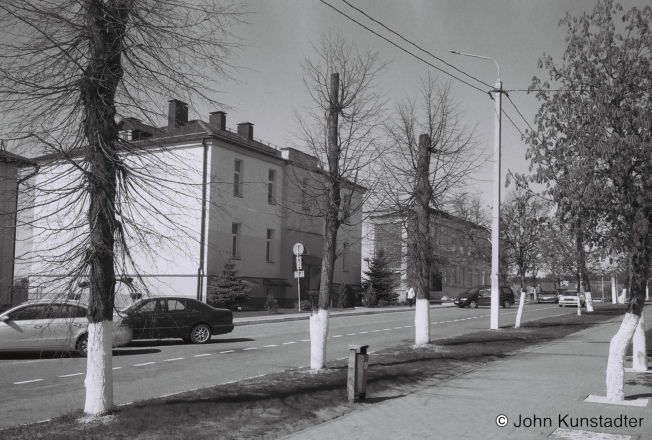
[369,297]
[271,305]
[382,302]
[226,290]
[341,296]
[305,305]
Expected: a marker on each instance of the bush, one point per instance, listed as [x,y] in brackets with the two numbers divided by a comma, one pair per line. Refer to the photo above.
[226,289]
[271,305]
[369,297]
[305,305]
[382,302]
[341,296]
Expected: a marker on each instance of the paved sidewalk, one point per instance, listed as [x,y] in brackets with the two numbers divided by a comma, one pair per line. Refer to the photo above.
[334,314]
[548,382]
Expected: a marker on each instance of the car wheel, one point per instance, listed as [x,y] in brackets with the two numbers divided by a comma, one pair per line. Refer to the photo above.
[473,304]
[561,305]
[507,304]
[82,345]
[200,334]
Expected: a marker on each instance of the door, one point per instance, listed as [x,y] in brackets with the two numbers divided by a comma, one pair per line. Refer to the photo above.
[180,318]
[23,330]
[144,319]
[484,296]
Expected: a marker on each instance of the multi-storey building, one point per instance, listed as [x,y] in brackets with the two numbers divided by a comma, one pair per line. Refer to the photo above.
[208,194]
[462,251]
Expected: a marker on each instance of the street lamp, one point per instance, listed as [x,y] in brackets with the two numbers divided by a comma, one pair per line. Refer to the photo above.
[495,218]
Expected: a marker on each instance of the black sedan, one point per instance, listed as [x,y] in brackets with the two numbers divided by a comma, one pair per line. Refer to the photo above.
[177,317]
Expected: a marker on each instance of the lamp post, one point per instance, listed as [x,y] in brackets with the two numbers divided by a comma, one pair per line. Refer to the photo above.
[495,217]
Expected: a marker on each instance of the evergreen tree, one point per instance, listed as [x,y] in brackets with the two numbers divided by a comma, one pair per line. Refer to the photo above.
[381,278]
[226,290]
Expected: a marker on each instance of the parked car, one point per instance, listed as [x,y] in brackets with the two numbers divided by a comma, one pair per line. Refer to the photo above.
[481,296]
[548,296]
[52,325]
[570,298]
[177,317]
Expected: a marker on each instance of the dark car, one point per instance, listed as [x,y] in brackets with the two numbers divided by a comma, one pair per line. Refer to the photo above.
[481,296]
[177,317]
[548,296]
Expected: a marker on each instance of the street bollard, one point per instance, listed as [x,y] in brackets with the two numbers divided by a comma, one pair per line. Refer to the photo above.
[357,379]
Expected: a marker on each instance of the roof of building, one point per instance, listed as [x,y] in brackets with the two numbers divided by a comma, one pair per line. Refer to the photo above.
[437,213]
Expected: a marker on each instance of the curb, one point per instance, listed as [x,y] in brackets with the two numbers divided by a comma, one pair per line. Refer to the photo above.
[249,321]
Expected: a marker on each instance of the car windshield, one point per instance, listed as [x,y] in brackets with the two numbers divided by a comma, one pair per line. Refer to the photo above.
[132,306]
[570,293]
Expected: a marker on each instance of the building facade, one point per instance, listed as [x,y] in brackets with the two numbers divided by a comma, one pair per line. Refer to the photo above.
[462,251]
[207,194]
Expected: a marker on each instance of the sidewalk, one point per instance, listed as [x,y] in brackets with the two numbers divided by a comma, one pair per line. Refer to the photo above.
[334,314]
[547,382]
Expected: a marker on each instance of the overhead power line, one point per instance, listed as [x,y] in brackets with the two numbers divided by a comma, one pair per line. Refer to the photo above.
[414,44]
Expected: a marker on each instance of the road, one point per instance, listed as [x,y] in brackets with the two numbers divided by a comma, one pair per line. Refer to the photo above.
[37,387]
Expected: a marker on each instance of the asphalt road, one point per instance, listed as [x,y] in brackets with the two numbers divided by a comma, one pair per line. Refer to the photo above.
[36,387]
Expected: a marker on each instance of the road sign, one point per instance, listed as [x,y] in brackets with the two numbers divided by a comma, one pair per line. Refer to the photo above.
[564,284]
[298,249]
[299,274]
[299,262]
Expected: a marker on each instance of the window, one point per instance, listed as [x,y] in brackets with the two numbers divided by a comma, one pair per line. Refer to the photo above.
[237,178]
[346,207]
[271,199]
[29,313]
[345,257]
[269,254]
[175,305]
[235,245]
[305,197]
[387,236]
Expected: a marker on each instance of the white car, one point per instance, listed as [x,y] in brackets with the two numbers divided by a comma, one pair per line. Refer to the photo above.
[570,298]
[52,325]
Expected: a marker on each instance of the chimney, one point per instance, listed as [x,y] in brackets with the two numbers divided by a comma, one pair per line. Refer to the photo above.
[218,120]
[177,113]
[246,130]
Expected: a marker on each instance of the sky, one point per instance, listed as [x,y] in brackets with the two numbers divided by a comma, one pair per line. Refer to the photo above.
[276,37]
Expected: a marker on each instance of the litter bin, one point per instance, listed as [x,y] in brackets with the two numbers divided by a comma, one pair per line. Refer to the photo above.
[357,378]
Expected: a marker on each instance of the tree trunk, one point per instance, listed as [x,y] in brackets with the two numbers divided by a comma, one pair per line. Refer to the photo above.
[423,250]
[639,346]
[520,310]
[98,87]
[320,318]
[614,294]
[640,262]
[584,273]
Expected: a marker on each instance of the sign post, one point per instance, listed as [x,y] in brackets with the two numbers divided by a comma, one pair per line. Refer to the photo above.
[298,274]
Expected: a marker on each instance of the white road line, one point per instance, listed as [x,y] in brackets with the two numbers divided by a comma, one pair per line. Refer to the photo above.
[305,340]
[374,331]
[170,360]
[202,355]
[387,329]
[70,375]
[146,363]
[396,328]
[288,343]
[116,368]
[250,348]
[27,381]
[227,351]
[273,345]
[407,326]
[350,334]
[363,332]
[338,336]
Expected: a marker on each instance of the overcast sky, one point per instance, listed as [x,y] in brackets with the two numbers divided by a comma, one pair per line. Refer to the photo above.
[277,37]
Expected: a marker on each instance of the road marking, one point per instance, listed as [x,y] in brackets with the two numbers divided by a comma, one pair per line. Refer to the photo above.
[305,340]
[396,328]
[227,351]
[350,334]
[202,355]
[387,329]
[27,381]
[407,326]
[116,368]
[146,363]
[374,331]
[250,348]
[273,345]
[338,336]
[288,343]
[70,375]
[175,359]
[363,332]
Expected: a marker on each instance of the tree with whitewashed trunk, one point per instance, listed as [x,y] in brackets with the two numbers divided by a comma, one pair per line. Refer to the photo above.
[599,116]
[70,70]
[432,157]
[342,131]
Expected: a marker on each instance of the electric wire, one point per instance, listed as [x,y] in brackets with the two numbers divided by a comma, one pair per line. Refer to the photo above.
[401,48]
[519,112]
[414,44]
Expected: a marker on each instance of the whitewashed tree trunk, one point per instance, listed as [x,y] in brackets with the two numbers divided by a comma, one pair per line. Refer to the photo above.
[579,305]
[318,335]
[615,364]
[589,301]
[99,369]
[647,292]
[521,303]
[639,346]
[614,297]
[422,322]
[623,295]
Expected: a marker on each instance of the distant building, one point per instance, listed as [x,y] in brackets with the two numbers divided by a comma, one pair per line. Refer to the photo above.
[256,209]
[462,251]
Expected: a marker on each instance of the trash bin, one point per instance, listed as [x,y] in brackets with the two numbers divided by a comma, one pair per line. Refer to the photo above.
[357,378]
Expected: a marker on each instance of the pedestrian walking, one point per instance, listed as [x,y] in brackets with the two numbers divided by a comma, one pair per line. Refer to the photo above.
[410,296]
[537,292]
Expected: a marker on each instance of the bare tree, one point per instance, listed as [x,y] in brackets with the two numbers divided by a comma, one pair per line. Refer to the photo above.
[342,131]
[419,177]
[69,70]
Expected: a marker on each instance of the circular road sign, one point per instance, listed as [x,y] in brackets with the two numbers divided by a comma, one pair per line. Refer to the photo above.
[298,249]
